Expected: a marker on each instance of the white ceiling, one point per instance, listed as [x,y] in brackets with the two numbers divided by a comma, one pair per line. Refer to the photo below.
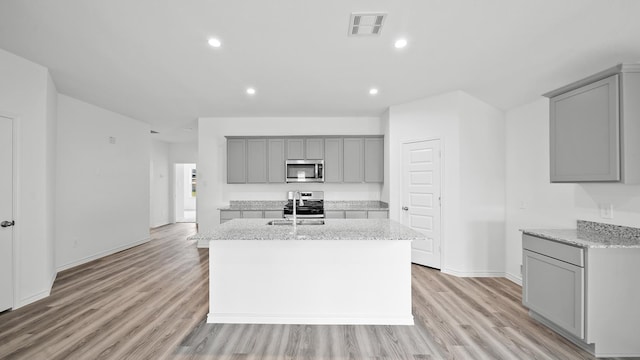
[149,59]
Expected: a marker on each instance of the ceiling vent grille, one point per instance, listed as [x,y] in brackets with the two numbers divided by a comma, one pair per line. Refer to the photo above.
[154,132]
[366,24]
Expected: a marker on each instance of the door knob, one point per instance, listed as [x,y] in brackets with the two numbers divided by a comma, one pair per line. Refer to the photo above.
[405,208]
[7,223]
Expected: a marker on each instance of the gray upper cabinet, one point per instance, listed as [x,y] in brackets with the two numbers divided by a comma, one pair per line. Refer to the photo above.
[314,148]
[295,149]
[256,160]
[353,160]
[236,161]
[374,159]
[333,160]
[594,128]
[276,160]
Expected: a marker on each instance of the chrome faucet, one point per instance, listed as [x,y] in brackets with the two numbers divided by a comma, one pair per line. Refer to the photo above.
[295,205]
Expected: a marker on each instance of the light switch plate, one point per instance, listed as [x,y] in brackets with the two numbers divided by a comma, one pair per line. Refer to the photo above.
[606,211]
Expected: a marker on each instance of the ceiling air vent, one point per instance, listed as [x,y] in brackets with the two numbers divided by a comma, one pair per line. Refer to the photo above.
[366,24]
[154,132]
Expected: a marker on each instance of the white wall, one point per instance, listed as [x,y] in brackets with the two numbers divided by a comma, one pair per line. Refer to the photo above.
[102,188]
[183,153]
[533,202]
[214,192]
[28,95]
[472,142]
[159,187]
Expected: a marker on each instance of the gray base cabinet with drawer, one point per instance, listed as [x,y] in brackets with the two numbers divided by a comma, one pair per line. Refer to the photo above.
[226,215]
[589,295]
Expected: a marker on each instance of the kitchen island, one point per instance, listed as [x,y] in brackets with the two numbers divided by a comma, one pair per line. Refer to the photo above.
[342,272]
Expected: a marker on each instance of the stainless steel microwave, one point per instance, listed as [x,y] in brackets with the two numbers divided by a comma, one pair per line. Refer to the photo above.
[299,171]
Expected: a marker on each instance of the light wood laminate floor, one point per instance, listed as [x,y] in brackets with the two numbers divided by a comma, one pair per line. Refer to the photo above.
[151,301]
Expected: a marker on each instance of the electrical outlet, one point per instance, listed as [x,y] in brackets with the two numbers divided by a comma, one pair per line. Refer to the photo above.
[606,211]
[520,270]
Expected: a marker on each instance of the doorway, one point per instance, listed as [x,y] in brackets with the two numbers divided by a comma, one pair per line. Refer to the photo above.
[421,198]
[185,192]
[6,213]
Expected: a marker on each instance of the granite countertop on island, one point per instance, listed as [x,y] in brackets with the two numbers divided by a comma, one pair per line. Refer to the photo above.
[590,234]
[333,229]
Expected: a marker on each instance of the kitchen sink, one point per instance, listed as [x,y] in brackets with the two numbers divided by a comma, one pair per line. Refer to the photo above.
[299,222]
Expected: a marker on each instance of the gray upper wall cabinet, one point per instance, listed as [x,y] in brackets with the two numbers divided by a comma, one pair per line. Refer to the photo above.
[276,161]
[314,149]
[352,159]
[295,149]
[236,161]
[256,161]
[333,160]
[373,159]
[594,128]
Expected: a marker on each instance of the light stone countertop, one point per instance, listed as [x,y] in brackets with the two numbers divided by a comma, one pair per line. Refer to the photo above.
[333,229]
[592,235]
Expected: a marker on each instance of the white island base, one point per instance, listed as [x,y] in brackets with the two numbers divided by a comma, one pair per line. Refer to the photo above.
[310,282]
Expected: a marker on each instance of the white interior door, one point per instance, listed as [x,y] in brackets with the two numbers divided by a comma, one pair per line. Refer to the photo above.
[421,173]
[6,213]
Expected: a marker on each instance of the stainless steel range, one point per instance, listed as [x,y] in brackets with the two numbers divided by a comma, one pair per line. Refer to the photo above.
[310,205]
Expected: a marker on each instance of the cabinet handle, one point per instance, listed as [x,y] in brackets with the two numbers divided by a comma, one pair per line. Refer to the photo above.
[405,208]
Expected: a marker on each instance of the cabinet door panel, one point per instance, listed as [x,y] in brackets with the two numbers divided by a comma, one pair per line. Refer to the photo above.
[355,214]
[252,214]
[256,160]
[273,214]
[334,214]
[314,148]
[226,215]
[373,160]
[584,133]
[236,161]
[353,166]
[555,290]
[378,214]
[276,160]
[333,160]
[295,149]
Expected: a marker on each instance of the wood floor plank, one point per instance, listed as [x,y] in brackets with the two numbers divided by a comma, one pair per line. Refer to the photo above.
[151,301]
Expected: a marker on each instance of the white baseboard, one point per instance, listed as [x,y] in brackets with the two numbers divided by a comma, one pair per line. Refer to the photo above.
[514,278]
[101,254]
[307,319]
[38,296]
[472,273]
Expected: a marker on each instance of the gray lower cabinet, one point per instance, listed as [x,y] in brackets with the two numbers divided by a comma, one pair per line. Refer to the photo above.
[276,161]
[355,214]
[236,161]
[378,214]
[594,128]
[273,214]
[555,290]
[226,215]
[353,160]
[333,160]
[589,295]
[334,214]
[374,159]
[256,161]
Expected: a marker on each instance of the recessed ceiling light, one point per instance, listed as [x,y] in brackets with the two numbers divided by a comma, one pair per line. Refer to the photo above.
[251,91]
[373,91]
[215,42]
[400,43]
